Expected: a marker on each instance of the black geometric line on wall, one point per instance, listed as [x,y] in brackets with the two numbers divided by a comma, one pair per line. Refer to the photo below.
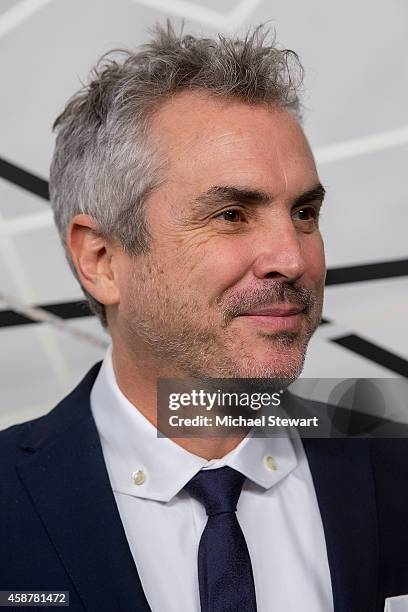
[9,318]
[367,272]
[23,178]
[64,310]
[373,352]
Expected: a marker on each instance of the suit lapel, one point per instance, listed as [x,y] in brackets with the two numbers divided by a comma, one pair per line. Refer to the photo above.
[343,480]
[64,472]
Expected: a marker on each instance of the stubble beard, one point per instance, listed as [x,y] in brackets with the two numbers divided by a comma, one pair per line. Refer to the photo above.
[171,331]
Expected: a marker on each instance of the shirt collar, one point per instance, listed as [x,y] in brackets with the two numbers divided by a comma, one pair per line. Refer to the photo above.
[131,447]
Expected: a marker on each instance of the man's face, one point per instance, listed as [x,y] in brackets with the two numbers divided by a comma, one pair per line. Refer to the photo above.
[233,283]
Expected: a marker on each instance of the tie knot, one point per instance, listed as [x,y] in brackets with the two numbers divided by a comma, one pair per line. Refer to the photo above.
[218,490]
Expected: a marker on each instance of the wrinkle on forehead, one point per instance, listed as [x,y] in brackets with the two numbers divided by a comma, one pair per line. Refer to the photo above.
[230,139]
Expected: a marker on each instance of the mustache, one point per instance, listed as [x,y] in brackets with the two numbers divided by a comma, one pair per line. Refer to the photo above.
[237,303]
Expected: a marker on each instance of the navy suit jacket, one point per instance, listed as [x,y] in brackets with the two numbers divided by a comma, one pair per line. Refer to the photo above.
[60,529]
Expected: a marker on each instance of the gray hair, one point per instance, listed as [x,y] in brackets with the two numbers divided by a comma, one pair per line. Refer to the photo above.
[105,163]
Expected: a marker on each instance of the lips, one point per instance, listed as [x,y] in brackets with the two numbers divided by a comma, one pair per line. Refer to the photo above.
[275,318]
[275,310]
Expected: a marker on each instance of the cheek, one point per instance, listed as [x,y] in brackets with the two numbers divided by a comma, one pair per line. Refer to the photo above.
[140,282]
[221,264]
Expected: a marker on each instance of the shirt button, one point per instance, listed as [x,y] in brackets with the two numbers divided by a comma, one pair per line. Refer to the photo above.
[138,477]
[270,463]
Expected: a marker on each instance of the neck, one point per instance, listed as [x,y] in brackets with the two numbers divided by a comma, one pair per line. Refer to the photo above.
[137,380]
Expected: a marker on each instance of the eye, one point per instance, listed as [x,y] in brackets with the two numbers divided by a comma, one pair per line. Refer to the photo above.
[307,217]
[304,214]
[233,215]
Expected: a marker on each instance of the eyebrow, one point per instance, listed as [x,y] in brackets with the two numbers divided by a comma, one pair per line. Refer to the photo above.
[229,194]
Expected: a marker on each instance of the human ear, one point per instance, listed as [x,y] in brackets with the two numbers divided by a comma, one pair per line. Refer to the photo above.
[92,255]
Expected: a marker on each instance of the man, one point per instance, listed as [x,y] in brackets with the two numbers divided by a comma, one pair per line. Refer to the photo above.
[187,199]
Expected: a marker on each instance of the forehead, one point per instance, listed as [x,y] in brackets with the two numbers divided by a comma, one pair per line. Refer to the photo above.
[210,140]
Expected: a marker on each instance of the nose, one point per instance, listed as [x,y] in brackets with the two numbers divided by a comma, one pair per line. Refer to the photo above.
[279,253]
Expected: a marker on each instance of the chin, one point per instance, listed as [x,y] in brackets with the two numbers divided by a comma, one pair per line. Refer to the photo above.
[282,375]
[283,363]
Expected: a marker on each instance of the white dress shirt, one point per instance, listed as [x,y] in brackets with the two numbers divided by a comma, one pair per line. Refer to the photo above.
[277,510]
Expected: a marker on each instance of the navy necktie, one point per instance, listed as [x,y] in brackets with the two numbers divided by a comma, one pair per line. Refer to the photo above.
[224,566]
